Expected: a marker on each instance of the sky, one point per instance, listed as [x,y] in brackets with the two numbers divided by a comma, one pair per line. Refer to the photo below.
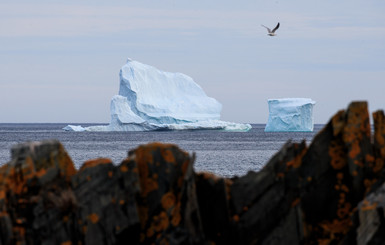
[60,60]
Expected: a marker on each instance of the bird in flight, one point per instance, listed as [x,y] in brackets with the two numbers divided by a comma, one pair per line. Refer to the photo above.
[271,32]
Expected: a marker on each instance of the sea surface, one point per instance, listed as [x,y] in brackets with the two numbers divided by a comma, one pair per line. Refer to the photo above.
[223,153]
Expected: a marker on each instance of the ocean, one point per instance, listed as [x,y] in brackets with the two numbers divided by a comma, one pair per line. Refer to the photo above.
[226,154]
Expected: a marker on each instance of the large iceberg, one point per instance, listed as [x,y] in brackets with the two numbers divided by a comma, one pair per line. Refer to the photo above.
[290,114]
[151,99]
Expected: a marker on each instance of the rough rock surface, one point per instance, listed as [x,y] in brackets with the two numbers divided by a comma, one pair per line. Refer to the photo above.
[331,192]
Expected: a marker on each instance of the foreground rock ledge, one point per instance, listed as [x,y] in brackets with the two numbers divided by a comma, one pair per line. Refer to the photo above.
[329,192]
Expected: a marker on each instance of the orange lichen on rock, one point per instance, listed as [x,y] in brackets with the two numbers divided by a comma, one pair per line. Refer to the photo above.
[148,185]
[168,156]
[344,188]
[366,205]
[355,150]
[280,175]
[379,130]
[368,183]
[65,218]
[65,163]
[158,164]
[168,200]
[356,130]
[369,158]
[143,215]
[340,176]
[236,218]
[144,158]
[344,210]
[19,174]
[210,176]
[176,216]
[228,184]
[358,116]
[94,218]
[378,166]
[123,168]
[379,140]
[33,160]
[41,173]
[338,122]
[337,155]
[159,224]
[144,153]
[150,232]
[295,202]
[185,166]
[3,173]
[379,137]
[95,162]
[297,160]
[336,226]
[110,174]
[2,194]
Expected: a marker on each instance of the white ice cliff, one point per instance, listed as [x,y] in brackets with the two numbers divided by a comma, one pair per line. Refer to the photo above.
[151,99]
[290,114]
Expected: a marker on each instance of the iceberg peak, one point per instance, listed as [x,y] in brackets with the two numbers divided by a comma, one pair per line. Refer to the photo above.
[165,97]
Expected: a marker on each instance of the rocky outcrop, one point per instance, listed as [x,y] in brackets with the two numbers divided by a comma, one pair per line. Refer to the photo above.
[331,191]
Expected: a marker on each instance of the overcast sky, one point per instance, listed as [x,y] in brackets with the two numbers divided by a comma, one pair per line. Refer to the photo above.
[60,60]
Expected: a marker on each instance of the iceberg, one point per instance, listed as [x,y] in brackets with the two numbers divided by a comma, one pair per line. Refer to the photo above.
[290,114]
[150,99]
[74,128]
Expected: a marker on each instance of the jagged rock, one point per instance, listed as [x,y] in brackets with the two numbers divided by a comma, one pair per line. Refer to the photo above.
[213,200]
[371,223]
[149,198]
[331,191]
[36,178]
[167,203]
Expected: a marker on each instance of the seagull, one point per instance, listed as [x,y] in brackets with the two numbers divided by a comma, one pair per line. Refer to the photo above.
[271,32]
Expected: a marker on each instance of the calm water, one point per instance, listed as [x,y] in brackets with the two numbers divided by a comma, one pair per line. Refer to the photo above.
[223,153]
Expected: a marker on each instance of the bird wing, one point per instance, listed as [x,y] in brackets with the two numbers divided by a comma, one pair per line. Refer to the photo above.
[268,29]
[275,28]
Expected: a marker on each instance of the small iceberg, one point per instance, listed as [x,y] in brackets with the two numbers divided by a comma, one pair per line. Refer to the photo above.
[76,128]
[290,114]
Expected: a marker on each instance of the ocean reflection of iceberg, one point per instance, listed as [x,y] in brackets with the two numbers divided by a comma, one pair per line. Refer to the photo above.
[150,99]
[290,114]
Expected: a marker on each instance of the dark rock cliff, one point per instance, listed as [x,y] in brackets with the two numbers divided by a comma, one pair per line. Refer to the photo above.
[330,192]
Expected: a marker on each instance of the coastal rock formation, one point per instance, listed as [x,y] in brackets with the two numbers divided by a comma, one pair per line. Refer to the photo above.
[331,191]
